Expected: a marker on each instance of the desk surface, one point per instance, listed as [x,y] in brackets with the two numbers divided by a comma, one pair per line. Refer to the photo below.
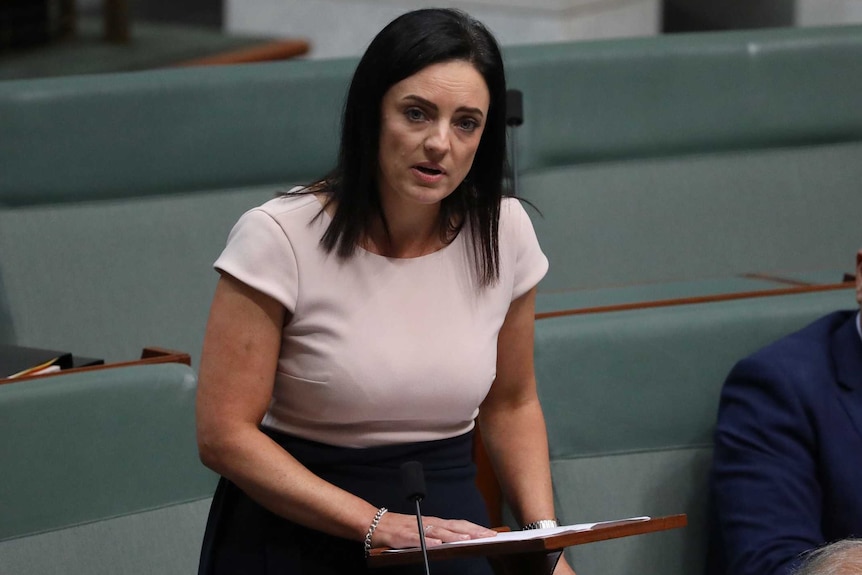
[551,543]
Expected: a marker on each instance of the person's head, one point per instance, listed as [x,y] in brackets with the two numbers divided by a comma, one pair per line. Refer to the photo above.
[840,558]
[410,44]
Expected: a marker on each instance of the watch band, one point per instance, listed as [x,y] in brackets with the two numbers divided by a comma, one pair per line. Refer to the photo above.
[541,524]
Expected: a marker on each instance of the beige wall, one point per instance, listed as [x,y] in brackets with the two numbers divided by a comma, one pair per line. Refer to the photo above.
[344,27]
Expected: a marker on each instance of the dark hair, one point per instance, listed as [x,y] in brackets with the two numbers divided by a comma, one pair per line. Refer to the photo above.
[405,46]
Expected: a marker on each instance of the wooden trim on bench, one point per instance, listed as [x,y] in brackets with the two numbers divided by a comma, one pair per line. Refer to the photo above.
[698,299]
[277,50]
[149,356]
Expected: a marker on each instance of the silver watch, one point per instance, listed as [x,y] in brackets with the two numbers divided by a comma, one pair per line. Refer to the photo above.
[541,524]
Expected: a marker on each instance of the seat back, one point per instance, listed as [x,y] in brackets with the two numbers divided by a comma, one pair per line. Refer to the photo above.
[630,399]
[101,473]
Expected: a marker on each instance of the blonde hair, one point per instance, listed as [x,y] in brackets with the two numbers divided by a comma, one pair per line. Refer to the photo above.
[842,557]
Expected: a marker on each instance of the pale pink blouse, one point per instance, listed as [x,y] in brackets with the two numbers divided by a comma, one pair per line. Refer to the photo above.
[378,350]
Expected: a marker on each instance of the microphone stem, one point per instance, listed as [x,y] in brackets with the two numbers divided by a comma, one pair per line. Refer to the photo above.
[422,538]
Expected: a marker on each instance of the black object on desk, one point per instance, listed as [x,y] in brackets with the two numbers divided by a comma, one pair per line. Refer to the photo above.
[15,359]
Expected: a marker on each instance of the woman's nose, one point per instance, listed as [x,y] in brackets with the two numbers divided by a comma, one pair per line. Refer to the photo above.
[437,139]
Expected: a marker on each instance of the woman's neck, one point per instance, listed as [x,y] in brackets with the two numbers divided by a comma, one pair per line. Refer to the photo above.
[411,233]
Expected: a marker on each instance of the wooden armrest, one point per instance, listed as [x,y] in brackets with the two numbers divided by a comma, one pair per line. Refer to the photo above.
[276,50]
[153,354]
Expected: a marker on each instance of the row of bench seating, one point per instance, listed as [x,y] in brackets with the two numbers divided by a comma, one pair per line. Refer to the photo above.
[688,160]
[694,171]
[101,473]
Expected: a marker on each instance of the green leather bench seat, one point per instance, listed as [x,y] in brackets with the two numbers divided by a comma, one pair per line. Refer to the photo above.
[101,473]
[127,135]
[684,218]
[692,156]
[661,160]
[686,94]
[104,279]
[630,400]
[124,135]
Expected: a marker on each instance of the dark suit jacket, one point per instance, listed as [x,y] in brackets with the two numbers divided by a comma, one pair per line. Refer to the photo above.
[787,469]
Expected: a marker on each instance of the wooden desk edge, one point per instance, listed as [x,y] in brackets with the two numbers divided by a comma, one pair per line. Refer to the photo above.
[615,530]
[612,530]
[149,355]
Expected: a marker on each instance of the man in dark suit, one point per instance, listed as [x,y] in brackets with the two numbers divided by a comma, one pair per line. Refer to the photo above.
[787,468]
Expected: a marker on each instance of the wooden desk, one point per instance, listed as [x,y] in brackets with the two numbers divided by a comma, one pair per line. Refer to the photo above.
[531,556]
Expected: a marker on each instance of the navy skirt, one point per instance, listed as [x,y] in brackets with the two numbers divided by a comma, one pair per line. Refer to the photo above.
[243,537]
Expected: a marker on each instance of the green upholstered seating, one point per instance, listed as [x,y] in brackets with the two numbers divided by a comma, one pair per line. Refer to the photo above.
[630,400]
[687,218]
[666,167]
[682,160]
[692,156]
[101,473]
[104,279]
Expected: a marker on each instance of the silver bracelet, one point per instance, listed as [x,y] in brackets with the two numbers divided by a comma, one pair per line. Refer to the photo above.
[371,529]
[541,524]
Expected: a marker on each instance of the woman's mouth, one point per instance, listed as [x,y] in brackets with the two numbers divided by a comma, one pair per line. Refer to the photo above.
[428,173]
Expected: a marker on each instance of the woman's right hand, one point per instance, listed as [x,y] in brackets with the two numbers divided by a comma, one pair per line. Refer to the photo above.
[400,531]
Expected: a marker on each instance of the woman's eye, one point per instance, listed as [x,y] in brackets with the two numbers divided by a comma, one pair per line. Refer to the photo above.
[468,124]
[414,114]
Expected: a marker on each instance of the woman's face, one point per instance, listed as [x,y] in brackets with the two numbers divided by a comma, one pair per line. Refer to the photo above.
[431,125]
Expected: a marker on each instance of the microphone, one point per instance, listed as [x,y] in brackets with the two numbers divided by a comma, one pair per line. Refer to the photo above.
[413,480]
[514,107]
[514,118]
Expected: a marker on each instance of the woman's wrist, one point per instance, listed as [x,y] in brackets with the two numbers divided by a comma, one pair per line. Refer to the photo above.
[541,524]
[369,534]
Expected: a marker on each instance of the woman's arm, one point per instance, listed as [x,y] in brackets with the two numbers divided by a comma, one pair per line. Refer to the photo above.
[237,373]
[512,424]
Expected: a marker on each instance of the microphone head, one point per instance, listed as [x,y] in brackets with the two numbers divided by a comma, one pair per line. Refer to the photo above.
[413,479]
[514,108]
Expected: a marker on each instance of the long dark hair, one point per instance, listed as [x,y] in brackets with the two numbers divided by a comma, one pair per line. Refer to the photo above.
[405,46]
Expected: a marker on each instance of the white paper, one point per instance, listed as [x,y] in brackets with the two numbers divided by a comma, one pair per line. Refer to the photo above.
[527,534]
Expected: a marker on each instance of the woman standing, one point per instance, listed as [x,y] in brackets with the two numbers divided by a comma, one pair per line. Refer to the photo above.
[370,318]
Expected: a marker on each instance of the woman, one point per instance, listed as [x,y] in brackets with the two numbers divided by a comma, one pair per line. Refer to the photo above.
[360,323]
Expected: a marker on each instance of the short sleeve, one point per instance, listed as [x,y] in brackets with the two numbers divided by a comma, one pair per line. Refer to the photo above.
[531,264]
[259,254]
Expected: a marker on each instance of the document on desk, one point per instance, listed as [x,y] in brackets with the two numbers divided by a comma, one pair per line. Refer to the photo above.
[534,533]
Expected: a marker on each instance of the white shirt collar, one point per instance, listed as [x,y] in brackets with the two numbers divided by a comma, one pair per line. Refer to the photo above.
[859,323]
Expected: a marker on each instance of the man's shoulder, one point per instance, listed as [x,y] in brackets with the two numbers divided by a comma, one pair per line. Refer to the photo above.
[803,356]
[811,337]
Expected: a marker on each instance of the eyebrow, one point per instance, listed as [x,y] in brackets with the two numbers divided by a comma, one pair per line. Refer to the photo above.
[432,105]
